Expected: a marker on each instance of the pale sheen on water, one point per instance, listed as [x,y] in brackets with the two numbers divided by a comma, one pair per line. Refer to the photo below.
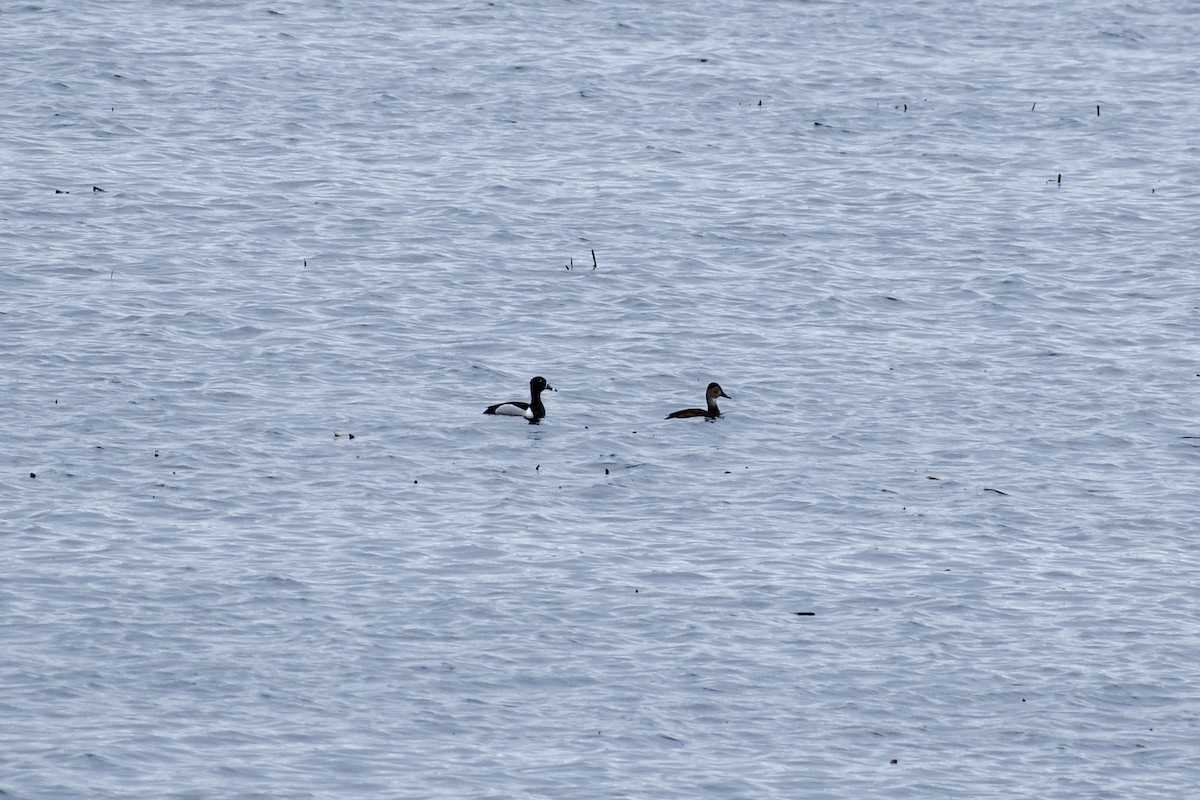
[262,266]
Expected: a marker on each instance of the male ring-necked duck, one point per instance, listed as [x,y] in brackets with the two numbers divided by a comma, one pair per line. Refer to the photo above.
[712,412]
[532,411]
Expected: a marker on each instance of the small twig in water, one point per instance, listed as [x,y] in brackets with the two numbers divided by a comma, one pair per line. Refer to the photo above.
[594,264]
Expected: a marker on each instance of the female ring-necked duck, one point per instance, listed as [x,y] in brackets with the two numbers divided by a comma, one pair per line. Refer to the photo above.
[711,413]
[532,411]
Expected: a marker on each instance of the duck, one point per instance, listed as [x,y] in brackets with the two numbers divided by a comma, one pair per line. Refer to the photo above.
[712,412]
[532,411]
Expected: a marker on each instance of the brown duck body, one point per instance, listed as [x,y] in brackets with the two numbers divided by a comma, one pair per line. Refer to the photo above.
[691,412]
[712,412]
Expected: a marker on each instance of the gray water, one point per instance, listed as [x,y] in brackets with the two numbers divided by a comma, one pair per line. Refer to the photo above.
[961,433]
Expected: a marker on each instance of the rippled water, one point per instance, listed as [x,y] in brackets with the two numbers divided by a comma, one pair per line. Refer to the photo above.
[259,541]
